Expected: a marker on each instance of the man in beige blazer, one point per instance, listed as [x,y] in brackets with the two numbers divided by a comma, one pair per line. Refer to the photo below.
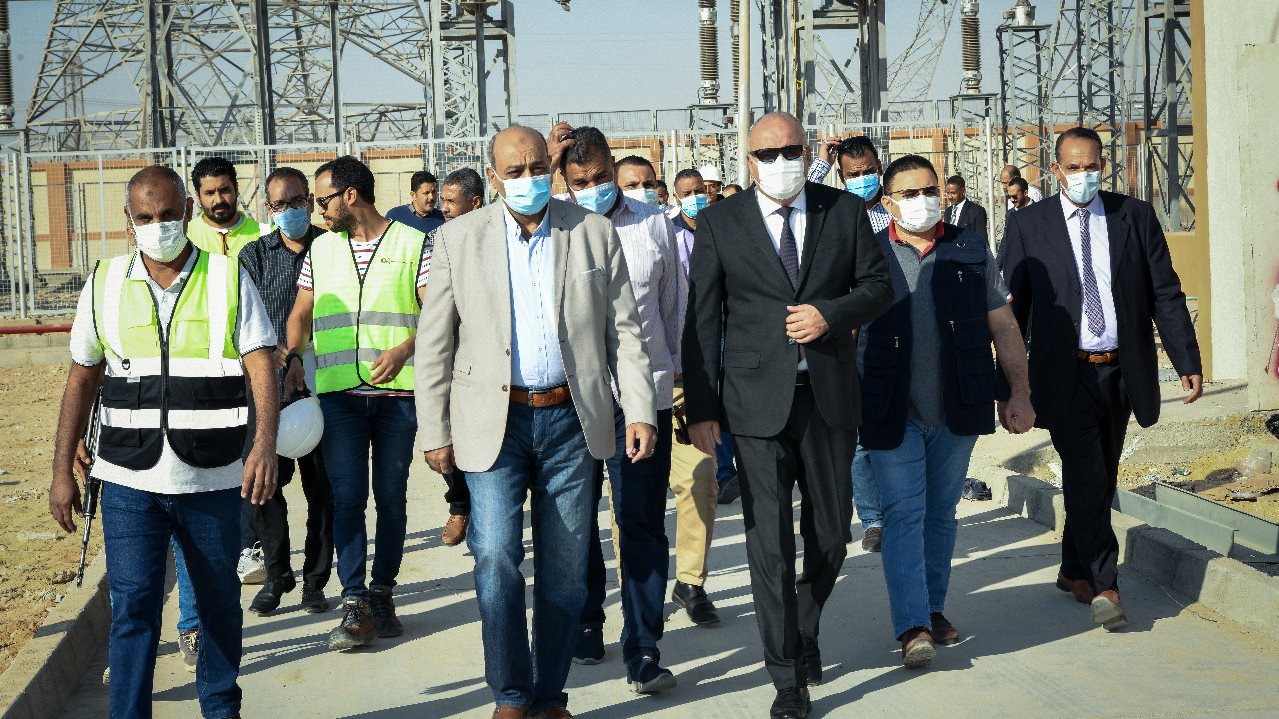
[528,315]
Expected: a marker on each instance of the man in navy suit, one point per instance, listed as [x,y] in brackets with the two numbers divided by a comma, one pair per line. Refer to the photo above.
[1088,272]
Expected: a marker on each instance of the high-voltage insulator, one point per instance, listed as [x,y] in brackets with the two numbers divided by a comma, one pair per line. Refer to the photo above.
[736,7]
[6,70]
[970,26]
[708,93]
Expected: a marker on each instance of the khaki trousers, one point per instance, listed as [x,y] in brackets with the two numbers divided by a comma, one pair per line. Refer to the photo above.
[693,482]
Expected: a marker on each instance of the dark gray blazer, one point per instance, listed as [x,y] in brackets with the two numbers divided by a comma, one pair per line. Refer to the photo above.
[738,290]
[972,217]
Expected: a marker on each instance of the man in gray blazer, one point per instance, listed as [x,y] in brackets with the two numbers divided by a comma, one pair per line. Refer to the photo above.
[528,313]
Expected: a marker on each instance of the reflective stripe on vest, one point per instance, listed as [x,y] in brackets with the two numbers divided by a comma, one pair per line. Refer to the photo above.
[186,386]
[356,319]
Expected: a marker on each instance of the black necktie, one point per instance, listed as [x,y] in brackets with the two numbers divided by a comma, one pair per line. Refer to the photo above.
[786,249]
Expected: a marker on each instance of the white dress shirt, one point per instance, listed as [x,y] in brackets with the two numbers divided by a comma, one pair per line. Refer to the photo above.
[771,211]
[1099,241]
[955,211]
[171,475]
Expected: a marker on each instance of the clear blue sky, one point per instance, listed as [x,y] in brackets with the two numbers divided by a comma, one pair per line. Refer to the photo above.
[603,55]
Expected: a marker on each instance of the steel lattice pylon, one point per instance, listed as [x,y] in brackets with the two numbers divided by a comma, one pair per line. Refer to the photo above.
[1167,126]
[120,74]
[1088,74]
[1025,105]
[910,78]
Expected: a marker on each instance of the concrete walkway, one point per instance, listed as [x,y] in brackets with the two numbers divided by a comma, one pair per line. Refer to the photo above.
[1030,650]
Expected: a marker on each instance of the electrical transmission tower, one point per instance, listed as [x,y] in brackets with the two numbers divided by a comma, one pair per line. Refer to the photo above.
[1167,126]
[119,74]
[1089,81]
[1025,104]
[910,77]
[805,76]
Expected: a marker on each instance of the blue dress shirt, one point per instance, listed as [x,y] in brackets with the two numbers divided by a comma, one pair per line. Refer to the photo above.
[535,353]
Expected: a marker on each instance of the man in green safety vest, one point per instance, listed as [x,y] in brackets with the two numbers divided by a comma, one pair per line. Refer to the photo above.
[359,297]
[221,228]
[170,333]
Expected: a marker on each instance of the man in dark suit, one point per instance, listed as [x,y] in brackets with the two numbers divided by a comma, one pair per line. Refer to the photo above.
[960,210]
[784,272]
[1088,271]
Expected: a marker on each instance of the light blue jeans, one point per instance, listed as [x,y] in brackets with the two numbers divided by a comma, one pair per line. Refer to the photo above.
[920,483]
[544,454]
[866,491]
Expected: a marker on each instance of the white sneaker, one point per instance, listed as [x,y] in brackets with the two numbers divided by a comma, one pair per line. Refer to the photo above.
[251,567]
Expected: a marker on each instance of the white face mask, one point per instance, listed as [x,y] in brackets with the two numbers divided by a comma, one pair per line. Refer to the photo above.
[919,213]
[646,195]
[781,179]
[161,241]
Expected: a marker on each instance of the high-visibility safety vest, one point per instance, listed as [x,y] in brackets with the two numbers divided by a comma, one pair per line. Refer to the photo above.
[187,387]
[356,319]
[206,237]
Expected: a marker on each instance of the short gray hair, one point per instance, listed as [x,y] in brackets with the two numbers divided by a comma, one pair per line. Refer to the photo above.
[159,172]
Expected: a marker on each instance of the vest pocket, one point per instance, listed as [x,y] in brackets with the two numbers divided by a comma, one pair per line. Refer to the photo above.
[973,360]
[129,447]
[209,448]
[879,376]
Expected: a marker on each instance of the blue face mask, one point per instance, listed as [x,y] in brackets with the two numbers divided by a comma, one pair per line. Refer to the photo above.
[293,222]
[693,204]
[527,195]
[598,199]
[1081,187]
[865,187]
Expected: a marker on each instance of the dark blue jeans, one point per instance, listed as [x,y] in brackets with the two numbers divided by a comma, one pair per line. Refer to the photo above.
[136,528]
[353,424]
[639,509]
[544,452]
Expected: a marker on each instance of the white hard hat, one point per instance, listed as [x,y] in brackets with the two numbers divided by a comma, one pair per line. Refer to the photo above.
[301,426]
[710,173]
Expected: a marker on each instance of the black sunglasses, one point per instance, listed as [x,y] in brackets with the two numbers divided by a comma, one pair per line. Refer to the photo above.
[323,202]
[769,154]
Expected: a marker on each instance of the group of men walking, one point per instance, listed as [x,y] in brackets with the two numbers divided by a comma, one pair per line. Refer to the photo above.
[838,340]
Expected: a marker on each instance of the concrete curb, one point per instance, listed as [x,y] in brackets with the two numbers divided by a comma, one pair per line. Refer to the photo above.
[49,667]
[1192,573]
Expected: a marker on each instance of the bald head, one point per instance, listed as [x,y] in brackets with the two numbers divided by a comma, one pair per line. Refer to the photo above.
[776,129]
[1009,173]
[156,194]
[520,140]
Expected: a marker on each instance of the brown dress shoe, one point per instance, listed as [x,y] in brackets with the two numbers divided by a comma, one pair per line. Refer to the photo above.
[554,713]
[509,713]
[454,532]
[943,631]
[917,647]
[1108,611]
[1079,587]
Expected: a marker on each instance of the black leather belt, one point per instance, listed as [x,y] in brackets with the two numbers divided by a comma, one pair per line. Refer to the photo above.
[801,379]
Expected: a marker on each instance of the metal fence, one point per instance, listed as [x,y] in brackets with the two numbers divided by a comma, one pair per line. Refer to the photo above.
[61,212]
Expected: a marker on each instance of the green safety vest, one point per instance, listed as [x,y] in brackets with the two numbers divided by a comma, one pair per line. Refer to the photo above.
[187,386]
[356,319]
[205,237]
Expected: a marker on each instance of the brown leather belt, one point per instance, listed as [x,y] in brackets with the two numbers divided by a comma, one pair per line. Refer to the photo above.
[1110,357]
[545,398]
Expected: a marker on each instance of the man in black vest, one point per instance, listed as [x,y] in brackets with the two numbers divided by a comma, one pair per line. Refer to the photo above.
[928,391]
[1088,272]
[784,272]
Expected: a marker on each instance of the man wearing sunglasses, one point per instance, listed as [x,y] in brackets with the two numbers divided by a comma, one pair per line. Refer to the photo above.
[359,296]
[930,358]
[784,272]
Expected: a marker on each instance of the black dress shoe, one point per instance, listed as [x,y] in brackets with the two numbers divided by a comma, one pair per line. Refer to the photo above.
[730,490]
[791,703]
[811,657]
[694,601]
[313,600]
[268,598]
